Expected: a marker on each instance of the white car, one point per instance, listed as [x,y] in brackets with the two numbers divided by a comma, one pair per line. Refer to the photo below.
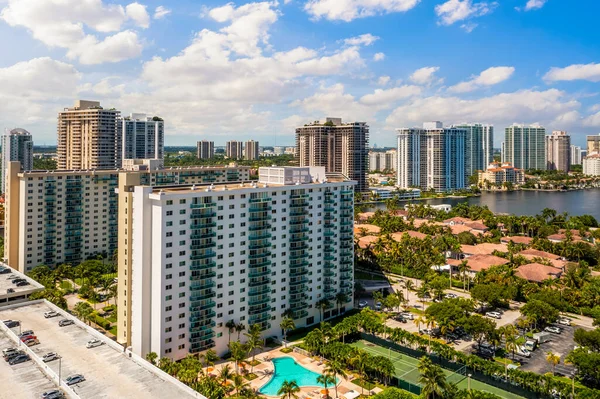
[494,315]
[522,352]
[94,343]
[48,357]
[554,330]
[450,296]
[362,304]
[50,314]
[407,315]
[564,321]
[378,306]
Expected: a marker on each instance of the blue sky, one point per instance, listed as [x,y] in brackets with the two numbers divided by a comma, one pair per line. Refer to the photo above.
[218,70]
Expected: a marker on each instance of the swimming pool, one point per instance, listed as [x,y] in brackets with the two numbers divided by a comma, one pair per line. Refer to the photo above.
[286,368]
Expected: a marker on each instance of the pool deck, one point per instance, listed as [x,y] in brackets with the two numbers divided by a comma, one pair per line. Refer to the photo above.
[265,370]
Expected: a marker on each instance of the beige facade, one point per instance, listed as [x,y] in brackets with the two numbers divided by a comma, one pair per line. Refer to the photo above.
[87,137]
[251,150]
[234,149]
[593,144]
[205,149]
[558,151]
[497,174]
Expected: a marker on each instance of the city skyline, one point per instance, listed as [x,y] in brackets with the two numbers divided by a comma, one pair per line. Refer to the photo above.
[260,79]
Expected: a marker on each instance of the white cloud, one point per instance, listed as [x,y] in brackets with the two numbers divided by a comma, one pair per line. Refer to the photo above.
[425,76]
[459,10]
[534,4]
[386,98]
[489,77]
[592,120]
[589,72]
[365,40]
[383,80]
[61,24]
[469,27]
[378,57]
[161,12]
[347,10]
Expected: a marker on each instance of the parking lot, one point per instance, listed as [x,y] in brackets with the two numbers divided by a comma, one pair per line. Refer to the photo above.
[108,373]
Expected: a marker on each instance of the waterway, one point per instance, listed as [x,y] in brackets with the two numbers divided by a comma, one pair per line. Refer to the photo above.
[578,202]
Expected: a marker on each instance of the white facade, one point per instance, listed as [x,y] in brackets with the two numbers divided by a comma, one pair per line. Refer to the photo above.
[380,161]
[141,137]
[525,146]
[479,146]
[205,255]
[388,193]
[575,155]
[17,145]
[591,165]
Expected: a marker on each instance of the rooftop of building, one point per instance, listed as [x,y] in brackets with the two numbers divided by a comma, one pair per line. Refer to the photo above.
[477,263]
[485,248]
[19,292]
[413,234]
[332,122]
[537,272]
[539,254]
[367,228]
[517,239]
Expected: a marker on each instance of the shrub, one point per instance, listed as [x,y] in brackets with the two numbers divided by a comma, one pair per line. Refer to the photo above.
[286,350]
[110,308]
[102,322]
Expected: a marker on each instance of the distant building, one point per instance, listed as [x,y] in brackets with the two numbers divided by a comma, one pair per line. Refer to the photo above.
[234,149]
[17,145]
[591,165]
[558,151]
[432,157]
[87,137]
[499,173]
[142,137]
[388,193]
[278,150]
[252,150]
[479,146]
[383,161]
[575,155]
[205,149]
[593,144]
[524,146]
[339,147]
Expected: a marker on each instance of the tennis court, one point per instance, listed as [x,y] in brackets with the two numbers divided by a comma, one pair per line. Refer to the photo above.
[406,369]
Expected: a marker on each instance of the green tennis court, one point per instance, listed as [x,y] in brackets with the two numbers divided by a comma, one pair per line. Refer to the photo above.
[406,369]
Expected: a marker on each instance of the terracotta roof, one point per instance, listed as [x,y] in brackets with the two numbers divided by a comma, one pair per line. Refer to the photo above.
[370,228]
[459,228]
[557,237]
[483,249]
[365,215]
[413,234]
[478,263]
[399,212]
[539,254]
[365,241]
[517,240]
[458,220]
[477,226]
[537,272]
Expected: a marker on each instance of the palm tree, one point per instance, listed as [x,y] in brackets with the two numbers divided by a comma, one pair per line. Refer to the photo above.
[210,358]
[360,363]
[335,368]
[409,286]
[431,323]
[322,305]
[287,324]
[225,374]
[84,310]
[113,291]
[230,327]
[254,341]
[239,328]
[327,379]
[553,359]
[151,357]
[432,379]
[419,321]
[238,353]
[289,390]
[340,299]
[239,384]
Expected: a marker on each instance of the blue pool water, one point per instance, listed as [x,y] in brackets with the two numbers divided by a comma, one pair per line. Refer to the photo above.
[286,368]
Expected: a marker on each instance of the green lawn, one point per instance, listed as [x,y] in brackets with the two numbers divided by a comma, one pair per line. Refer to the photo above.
[113,330]
[406,369]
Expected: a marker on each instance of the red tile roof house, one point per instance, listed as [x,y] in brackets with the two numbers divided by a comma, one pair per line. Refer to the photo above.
[456,229]
[368,228]
[414,234]
[483,249]
[477,228]
[457,220]
[539,254]
[478,263]
[537,273]
[517,240]
[367,241]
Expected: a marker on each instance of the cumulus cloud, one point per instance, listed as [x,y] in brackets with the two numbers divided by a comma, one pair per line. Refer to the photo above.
[365,40]
[589,72]
[489,77]
[425,76]
[383,80]
[534,4]
[592,120]
[348,10]
[386,98]
[459,10]
[161,12]
[378,57]
[61,24]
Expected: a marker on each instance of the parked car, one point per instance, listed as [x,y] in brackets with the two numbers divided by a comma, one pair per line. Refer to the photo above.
[8,350]
[31,342]
[12,323]
[362,304]
[12,277]
[22,283]
[18,280]
[50,314]
[5,270]
[53,394]
[14,352]
[10,290]
[26,333]
[554,330]
[521,351]
[48,357]
[18,359]
[494,315]
[65,322]
[27,337]
[94,343]
[450,296]
[74,379]
[400,318]
[378,306]
[407,315]
[564,321]
[484,353]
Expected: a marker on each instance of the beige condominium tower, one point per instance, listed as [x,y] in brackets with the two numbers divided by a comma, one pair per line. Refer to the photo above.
[558,151]
[87,137]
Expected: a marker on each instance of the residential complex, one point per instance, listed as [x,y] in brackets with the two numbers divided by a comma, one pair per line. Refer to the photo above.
[593,144]
[17,145]
[141,136]
[234,149]
[339,147]
[497,174]
[431,158]
[524,146]
[576,155]
[252,150]
[479,146]
[383,161]
[54,217]
[591,165]
[87,137]
[248,252]
[205,149]
[558,151]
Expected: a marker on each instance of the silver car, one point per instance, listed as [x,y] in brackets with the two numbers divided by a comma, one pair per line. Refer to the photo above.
[94,343]
[48,357]
[74,379]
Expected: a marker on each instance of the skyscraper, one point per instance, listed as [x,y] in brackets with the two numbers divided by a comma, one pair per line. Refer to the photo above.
[558,151]
[17,145]
[251,150]
[141,137]
[383,161]
[87,137]
[234,149]
[593,144]
[339,147]
[479,146]
[205,149]
[575,155]
[524,146]
[432,157]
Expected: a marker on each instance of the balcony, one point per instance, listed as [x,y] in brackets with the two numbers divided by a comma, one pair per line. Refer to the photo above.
[200,236]
[259,301]
[298,281]
[301,212]
[259,273]
[346,277]
[203,215]
[298,305]
[263,226]
[205,225]
[300,289]
[259,291]
[202,206]
[298,272]
[259,218]
[205,295]
[196,310]
[259,318]
[201,336]
[329,265]
[260,245]
[299,314]
[258,283]
[260,209]
[299,196]
[203,246]
[297,230]
[202,286]
[202,346]
[203,325]
[202,276]
[259,200]
[329,290]
[202,316]
[329,273]
[260,264]
[259,236]
[260,255]
[205,255]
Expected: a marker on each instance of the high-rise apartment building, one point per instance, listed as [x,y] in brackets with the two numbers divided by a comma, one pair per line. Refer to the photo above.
[17,145]
[339,147]
[591,164]
[251,150]
[141,137]
[575,155]
[234,149]
[558,151]
[55,217]
[205,149]
[383,161]
[593,144]
[431,158]
[87,137]
[201,256]
[479,146]
[525,146]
